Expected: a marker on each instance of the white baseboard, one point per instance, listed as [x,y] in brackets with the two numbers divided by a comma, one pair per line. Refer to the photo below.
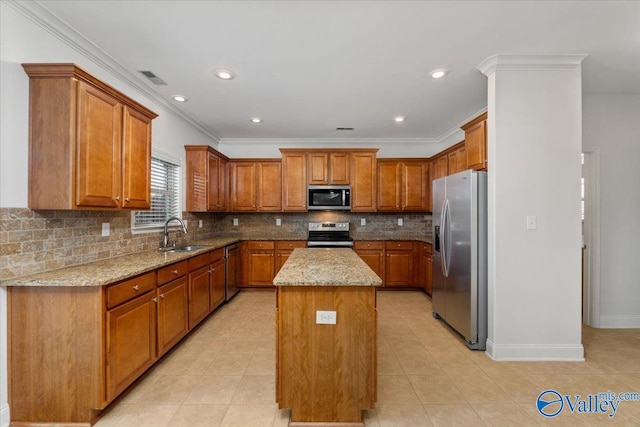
[535,352]
[615,321]
[4,415]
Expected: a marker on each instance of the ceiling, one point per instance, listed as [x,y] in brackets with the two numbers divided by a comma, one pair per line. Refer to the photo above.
[307,67]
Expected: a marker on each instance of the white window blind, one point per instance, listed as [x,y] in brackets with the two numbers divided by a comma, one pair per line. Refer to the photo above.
[165,180]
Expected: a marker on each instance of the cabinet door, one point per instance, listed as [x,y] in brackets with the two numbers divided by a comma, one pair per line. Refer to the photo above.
[318,168]
[261,268]
[223,185]
[294,182]
[339,168]
[476,145]
[98,150]
[213,186]
[269,186]
[440,167]
[372,253]
[198,295]
[389,180]
[131,342]
[363,182]
[217,284]
[243,186]
[399,264]
[173,313]
[284,248]
[414,186]
[136,173]
[429,274]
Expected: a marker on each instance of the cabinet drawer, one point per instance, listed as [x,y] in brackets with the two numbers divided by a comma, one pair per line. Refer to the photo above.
[261,244]
[173,271]
[216,255]
[426,247]
[198,261]
[368,245]
[291,244]
[131,288]
[399,245]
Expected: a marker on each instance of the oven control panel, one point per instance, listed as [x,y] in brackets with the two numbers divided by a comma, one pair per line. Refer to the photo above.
[328,226]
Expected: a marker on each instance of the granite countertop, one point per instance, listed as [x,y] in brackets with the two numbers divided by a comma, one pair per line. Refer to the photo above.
[112,270]
[375,237]
[326,267]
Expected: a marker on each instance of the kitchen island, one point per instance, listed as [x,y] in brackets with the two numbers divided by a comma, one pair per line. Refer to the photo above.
[326,337]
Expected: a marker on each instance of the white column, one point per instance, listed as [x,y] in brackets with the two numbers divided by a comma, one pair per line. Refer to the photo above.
[534,145]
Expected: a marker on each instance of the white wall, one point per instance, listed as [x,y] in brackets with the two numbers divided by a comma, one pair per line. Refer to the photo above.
[534,138]
[22,40]
[610,125]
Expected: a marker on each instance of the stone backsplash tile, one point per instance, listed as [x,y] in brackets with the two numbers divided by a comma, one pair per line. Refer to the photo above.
[36,241]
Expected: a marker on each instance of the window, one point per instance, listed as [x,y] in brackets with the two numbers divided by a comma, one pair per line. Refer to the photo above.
[165,193]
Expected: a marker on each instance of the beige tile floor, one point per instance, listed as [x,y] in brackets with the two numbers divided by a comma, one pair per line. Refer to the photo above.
[223,375]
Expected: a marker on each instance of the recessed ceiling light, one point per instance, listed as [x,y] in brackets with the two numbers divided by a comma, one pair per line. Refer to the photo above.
[224,74]
[255,120]
[438,74]
[399,119]
[180,98]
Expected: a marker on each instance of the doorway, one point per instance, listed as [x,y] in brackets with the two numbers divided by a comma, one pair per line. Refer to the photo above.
[590,238]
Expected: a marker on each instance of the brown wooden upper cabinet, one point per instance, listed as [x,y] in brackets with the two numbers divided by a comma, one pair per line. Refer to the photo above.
[363,181]
[403,185]
[325,167]
[89,144]
[457,159]
[294,181]
[256,185]
[475,137]
[207,178]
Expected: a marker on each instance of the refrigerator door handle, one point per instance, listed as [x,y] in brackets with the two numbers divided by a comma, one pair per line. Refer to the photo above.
[444,237]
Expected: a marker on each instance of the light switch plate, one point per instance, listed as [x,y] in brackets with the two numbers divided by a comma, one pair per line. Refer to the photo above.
[199,223]
[400,222]
[106,229]
[363,221]
[325,317]
[278,222]
[235,221]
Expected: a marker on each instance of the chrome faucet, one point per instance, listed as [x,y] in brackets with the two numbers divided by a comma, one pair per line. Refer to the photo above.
[165,240]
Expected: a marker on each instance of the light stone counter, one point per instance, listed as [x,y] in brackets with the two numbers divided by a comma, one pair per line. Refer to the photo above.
[112,270]
[326,267]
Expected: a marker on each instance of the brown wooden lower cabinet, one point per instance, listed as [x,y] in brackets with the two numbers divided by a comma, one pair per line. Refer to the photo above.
[74,349]
[284,248]
[372,252]
[424,277]
[399,260]
[259,263]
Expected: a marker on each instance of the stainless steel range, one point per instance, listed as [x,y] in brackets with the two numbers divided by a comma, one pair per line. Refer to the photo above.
[329,235]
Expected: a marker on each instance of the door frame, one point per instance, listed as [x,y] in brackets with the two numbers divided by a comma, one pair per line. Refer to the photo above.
[591,238]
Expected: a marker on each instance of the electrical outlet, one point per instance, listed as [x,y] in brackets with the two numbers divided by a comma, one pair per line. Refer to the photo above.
[400,222]
[235,221]
[363,221]
[532,222]
[200,223]
[278,222]
[325,317]
[106,229]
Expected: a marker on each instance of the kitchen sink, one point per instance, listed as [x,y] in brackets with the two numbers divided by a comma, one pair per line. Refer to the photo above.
[188,248]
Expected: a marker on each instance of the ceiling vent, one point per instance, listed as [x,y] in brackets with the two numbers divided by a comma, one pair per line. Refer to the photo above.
[344,128]
[154,79]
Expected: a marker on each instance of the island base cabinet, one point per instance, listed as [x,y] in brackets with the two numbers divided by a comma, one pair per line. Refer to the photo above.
[55,355]
[326,373]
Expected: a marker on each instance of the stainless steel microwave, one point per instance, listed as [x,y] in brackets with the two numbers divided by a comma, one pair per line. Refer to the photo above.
[329,198]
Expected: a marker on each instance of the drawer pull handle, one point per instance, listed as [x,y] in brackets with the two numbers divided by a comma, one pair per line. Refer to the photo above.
[175,271]
[136,287]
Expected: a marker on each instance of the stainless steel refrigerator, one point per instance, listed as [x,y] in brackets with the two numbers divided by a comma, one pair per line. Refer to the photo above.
[459,293]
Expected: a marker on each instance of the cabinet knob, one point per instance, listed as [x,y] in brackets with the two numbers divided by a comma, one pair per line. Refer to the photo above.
[136,287]
[154,299]
[127,199]
[213,269]
[175,271]
[162,296]
[117,198]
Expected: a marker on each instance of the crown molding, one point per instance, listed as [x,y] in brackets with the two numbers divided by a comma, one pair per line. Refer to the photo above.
[350,142]
[41,16]
[530,63]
